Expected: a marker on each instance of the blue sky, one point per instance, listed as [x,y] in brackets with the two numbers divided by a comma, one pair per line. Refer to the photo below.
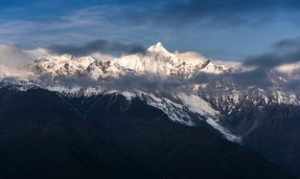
[228,29]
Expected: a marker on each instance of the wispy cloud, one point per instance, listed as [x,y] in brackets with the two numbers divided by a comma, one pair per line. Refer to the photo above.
[228,11]
[77,27]
[202,25]
[284,52]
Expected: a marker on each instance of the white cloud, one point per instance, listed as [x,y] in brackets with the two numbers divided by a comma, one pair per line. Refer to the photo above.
[11,56]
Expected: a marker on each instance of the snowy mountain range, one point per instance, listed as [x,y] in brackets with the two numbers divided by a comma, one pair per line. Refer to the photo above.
[156,61]
[238,101]
[177,83]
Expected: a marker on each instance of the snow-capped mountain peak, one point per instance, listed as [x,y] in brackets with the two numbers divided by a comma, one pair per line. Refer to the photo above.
[158,61]
[158,48]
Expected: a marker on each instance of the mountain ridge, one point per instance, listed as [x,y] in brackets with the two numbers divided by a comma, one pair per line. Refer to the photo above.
[105,136]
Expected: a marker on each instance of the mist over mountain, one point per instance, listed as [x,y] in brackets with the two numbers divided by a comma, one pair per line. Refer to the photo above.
[153,65]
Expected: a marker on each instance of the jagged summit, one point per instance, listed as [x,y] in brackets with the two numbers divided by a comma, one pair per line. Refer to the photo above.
[158,62]
[159,49]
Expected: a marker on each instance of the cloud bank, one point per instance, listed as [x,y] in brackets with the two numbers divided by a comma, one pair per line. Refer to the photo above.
[100,46]
[284,52]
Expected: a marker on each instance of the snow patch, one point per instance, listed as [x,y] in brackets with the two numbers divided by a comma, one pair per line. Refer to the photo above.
[128,95]
[228,135]
[198,105]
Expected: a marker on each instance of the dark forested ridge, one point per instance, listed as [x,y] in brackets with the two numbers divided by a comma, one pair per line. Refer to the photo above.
[272,130]
[48,135]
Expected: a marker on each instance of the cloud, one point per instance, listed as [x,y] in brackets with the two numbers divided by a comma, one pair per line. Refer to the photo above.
[102,46]
[11,56]
[284,52]
[229,12]
[12,63]
[290,44]
[76,27]
[266,61]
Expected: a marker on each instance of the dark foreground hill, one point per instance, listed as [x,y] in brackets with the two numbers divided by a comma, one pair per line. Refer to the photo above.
[48,135]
